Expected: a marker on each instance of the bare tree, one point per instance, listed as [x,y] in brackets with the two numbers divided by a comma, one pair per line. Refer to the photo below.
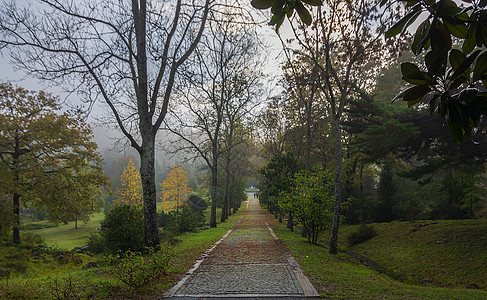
[126,54]
[222,77]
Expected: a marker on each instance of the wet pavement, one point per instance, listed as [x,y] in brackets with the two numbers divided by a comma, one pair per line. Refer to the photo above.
[248,262]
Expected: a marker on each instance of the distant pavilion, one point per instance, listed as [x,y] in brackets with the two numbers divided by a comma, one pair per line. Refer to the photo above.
[252,192]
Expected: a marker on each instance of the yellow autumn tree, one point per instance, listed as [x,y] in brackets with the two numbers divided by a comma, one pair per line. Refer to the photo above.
[175,189]
[131,190]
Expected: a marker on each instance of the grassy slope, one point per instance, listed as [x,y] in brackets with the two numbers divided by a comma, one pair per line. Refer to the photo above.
[65,236]
[448,253]
[342,277]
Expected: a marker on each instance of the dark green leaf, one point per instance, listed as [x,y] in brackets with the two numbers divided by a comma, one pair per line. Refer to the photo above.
[436,62]
[458,29]
[456,58]
[410,70]
[420,35]
[290,12]
[401,24]
[410,21]
[449,8]
[414,102]
[277,6]
[262,4]
[416,93]
[303,13]
[474,112]
[383,2]
[280,21]
[313,2]
[456,131]
[465,65]
[401,94]
[457,82]
[432,104]
[483,30]
[470,40]
[480,70]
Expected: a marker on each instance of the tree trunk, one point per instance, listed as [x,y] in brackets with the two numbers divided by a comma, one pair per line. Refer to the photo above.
[76,222]
[308,137]
[147,174]
[337,186]
[290,224]
[224,210]
[16,226]
[214,183]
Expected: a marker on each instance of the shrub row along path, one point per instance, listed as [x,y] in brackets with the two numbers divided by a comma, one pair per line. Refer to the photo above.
[250,261]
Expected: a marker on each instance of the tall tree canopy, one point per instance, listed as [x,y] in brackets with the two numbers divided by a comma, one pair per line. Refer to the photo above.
[126,53]
[45,156]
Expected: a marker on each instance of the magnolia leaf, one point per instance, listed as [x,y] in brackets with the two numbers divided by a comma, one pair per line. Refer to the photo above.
[412,74]
[303,13]
[480,70]
[262,4]
[416,93]
[470,40]
[313,2]
[465,65]
[458,29]
[403,23]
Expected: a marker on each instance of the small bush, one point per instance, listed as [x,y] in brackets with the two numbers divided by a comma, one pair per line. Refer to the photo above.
[137,270]
[64,288]
[362,234]
[184,220]
[31,240]
[95,243]
[197,203]
[123,228]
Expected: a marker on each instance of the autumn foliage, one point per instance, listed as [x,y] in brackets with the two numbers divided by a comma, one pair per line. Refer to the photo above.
[131,190]
[175,189]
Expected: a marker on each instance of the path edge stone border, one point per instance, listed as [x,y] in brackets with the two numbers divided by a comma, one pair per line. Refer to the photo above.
[308,288]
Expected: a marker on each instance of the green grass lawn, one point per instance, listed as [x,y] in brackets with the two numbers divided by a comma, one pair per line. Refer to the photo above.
[342,277]
[447,253]
[64,236]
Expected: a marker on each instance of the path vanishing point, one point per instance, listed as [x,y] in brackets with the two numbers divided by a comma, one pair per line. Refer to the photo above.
[249,261]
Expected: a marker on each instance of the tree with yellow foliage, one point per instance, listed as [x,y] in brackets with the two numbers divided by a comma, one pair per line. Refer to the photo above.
[175,189]
[131,190]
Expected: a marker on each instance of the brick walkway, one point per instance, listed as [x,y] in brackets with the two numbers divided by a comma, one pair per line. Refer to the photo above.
[248,262]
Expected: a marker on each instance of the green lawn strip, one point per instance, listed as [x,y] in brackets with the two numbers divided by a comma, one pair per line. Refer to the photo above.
[447,253]
[342,277]
[65,236]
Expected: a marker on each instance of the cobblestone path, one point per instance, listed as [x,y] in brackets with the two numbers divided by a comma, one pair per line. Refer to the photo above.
[248,262]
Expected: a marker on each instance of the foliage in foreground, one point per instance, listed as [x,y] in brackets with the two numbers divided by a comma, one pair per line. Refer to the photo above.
[137,270]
